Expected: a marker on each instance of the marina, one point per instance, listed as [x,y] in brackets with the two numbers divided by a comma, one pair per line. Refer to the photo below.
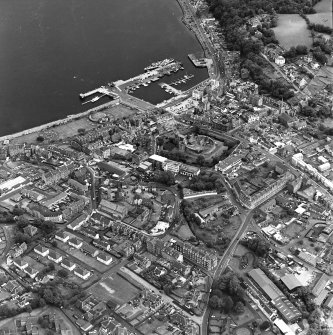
[153,73]
[182,80]
[169,89]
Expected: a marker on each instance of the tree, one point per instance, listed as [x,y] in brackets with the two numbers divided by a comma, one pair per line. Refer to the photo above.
[200,160]
[41,302]
[164,177]
[54,244]
[227,304]
[40,138]
[265,325]
[48,227]
[43,322]
[320,57]
[301,50]
[239,307]
[291,53]
[214,302]
[81,131]
[17,211]
[308,111]
[50,267]
[62,273]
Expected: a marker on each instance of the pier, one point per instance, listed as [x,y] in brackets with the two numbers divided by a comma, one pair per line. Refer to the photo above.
[170,89]
[198,62]
[102,90]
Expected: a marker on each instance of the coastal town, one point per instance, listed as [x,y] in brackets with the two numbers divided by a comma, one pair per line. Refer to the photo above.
[210,213]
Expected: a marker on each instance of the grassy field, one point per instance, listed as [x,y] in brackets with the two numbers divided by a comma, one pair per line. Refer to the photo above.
[293,230]
[63,131]
[324,13]
[148,328]
[119,111]
[244,317]
[4,295]
[292,30]
[184,232]
[115,288]
[71,128]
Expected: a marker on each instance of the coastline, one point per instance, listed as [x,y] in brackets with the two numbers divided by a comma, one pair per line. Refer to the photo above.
[70,118]
[181,4]
[58,122]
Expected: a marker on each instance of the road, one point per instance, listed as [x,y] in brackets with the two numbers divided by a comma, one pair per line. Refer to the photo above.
[203,39]
[224,261]
[93,187]
[165,297]
[278,69]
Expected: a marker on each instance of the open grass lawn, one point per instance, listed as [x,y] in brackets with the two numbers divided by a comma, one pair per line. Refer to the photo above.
[243,318]
[64,130]
[293,229]
[119,111]
[149,326]
[323,13]
[71,128]
[243,331]
[292,31]
[184,232]
[4,295]
[115,288]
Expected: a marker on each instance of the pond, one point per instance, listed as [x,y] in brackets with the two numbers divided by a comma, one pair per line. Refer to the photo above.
[292,30]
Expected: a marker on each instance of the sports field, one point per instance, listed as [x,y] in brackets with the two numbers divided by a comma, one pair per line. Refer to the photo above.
[115,288]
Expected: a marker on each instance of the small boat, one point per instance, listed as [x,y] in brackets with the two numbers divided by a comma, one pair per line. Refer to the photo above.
[94,99]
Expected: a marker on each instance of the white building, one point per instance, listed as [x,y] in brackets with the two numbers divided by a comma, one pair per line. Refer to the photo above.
[21,264]
[68,265]
[171,166]
[104,258]
[76,243]
[40,250]
[31,272]
[53,256]
[82,273]
[280,60]
[62,236]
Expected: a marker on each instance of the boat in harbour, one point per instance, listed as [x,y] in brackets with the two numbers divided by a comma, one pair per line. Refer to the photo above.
[159,64]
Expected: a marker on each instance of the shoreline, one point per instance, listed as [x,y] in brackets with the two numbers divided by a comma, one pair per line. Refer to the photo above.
[70,118]
[181,5]
[58,122]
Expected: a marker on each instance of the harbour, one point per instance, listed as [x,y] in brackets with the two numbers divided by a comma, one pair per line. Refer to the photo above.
[169,89]
[83,59]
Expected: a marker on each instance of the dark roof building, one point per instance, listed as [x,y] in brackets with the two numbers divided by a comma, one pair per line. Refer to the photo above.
[286,309]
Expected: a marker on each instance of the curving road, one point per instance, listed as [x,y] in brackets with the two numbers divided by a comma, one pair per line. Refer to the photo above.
[224,261]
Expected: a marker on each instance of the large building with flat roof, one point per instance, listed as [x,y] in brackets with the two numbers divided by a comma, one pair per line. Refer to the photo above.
[286,309]
[11,183]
